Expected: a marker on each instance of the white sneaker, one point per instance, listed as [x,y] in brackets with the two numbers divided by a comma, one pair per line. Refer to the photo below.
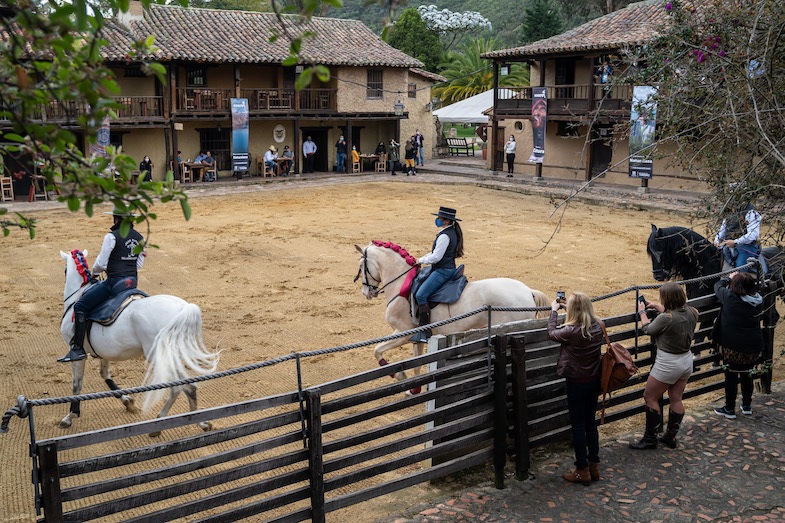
[746,410]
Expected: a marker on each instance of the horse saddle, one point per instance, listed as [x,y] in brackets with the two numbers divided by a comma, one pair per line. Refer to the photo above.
[122,294]
[450,292]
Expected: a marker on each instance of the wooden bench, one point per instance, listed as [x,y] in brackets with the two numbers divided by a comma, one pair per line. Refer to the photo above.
[459,146]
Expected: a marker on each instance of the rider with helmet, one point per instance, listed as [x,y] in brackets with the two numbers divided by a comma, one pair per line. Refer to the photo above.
[447,246]
[118,259]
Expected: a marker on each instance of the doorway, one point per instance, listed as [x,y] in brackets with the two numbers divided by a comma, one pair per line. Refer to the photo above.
[601,148]
[319,137]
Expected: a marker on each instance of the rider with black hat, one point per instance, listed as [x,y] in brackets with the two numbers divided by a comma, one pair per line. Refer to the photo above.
[118,259]
[447,246]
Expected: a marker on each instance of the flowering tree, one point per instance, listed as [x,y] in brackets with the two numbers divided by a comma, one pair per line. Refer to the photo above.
[452,26]
[720,70]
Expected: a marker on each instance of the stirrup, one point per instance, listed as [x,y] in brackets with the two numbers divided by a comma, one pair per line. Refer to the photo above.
[73,355]
[420,337]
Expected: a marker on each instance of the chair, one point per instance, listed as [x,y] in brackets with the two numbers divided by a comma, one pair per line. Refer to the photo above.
[186,176]
[381,165]
[7,187]
[356,167]
[268,171]
[212,173]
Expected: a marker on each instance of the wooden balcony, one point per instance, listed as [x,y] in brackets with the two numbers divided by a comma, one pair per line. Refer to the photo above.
[306,101]
[201,101]
[132,109]
[568,100]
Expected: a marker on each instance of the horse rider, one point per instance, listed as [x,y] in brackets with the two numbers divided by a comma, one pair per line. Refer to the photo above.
[118,259]
[738,236]
[447,246]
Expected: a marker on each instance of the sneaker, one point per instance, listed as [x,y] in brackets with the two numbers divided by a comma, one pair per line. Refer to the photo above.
[746,410]
[725,411]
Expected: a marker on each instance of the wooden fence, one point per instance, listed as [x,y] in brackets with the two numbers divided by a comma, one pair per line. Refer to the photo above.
[301,455]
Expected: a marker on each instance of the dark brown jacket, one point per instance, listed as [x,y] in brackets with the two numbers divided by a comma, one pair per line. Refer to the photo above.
[579,357]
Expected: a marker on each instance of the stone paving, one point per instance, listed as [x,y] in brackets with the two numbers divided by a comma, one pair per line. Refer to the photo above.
[722,471]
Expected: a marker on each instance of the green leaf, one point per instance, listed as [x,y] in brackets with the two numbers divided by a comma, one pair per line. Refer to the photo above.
[322,73]
[290,61]
[14,137]
[186,207]
[304,80]
[73,203]
[88,209]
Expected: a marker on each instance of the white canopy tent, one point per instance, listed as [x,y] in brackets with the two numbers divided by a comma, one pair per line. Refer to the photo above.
[470,110]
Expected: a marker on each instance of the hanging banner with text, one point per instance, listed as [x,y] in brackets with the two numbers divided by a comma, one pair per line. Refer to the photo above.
[102,140]
[241,160]
[643,121]
[539,119]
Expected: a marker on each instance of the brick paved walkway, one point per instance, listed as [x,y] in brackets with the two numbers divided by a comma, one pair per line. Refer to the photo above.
[723,471]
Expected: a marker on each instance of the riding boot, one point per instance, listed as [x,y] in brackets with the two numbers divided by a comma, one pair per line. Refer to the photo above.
[424,312]
[77,351]
[674,422]
[649,440]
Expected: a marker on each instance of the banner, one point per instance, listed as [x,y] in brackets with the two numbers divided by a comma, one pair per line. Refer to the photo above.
[241,160]
[643,121]
[539,119]
[102,140]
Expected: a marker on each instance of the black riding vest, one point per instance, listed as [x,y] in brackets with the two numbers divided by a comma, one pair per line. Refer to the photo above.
[448,260]
[122,260]
[736,222]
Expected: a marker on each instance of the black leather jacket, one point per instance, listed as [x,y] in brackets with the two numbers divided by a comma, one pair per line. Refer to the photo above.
[579,357]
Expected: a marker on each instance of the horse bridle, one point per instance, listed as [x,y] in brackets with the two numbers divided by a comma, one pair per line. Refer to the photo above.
[365,273]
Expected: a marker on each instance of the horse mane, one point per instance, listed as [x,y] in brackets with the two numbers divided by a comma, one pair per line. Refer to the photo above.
[397,248]
[688,255]
[81,265]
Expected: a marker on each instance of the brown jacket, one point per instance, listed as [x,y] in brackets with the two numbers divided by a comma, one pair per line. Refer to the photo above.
[579,357]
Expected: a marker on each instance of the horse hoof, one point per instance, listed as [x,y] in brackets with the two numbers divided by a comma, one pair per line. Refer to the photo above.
[64,423]
[414,391]
[400,376]
[129,404]
[382,363]
[205,426]
[155,434]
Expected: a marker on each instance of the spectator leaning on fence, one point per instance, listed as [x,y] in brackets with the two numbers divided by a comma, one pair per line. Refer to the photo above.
[579,364]
[672,332]
[740,338]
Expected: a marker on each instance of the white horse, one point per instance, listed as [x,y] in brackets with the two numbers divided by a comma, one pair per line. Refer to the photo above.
[384,268]
[166,330]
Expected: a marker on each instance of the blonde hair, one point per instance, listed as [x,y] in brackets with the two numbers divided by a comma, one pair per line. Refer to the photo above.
[580,311]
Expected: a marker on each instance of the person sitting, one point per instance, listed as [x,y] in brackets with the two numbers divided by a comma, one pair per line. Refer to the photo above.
[209,167]
[738,236]
[200,157]
[287,165]
[146,169]
[380,149]
[269,160]
[355,155]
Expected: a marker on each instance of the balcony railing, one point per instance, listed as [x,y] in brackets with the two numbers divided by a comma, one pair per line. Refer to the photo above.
[195,101]
[567,99]
[276,100]
[131,108]
[140,107]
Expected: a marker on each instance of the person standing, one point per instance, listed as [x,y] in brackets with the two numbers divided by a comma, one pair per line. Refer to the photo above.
[146,169]
[740,338]
[409,153]
[447,246]
[579,359]
[672,331]
[738,236]
[395,155]
[340,155]
[420,143]
[509,150]
[120,261]
[309,152]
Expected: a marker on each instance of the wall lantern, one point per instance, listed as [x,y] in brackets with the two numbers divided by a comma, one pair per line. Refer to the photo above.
[398,108]
[298,69]
[504,69]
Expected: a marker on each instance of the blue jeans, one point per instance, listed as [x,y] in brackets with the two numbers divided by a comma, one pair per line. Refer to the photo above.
[582,404]
[420,157]
[435,280]
[272,166]
[737,256]
[340,165]
[96,295]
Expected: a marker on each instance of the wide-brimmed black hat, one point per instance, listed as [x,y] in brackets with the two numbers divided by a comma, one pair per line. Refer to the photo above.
[447,213]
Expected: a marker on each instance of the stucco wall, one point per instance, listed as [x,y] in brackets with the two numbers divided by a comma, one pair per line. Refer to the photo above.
[150,142]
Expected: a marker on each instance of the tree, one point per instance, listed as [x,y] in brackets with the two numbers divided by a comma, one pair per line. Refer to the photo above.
[452,27]
[542,19]
[469,74]
[410,34]
[721,76]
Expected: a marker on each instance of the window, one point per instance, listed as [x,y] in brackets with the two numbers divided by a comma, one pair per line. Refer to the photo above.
[196,76]
[412,90]
[217,142]
[375,83]
[133,71]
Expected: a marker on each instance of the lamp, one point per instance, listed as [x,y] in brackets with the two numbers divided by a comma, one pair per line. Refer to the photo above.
[429,106]
[298,69]
[504,69]
[398,108]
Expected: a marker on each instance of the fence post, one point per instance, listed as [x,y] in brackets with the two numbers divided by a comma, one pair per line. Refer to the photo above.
[520,411]
[315,456]
[770,318]
[50,483]
[499,409]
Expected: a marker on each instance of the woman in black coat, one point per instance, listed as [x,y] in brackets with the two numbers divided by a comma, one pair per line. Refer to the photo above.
[740,338]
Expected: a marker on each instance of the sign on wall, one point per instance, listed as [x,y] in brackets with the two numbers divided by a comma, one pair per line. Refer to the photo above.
[241,160]
[643,121]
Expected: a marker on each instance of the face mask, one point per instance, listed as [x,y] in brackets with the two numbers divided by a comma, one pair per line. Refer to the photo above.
[439,222]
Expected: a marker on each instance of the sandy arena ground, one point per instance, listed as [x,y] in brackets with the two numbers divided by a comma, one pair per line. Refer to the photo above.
[272,271]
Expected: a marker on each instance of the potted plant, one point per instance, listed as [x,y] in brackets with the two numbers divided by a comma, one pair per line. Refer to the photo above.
[484,148]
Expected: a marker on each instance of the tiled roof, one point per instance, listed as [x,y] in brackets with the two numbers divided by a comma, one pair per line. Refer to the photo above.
[433,77]
[636,24]
[213,35]
[119,39]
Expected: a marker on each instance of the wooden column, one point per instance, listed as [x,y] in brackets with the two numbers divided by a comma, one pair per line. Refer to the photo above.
[499,409]
[520,416]
[491,137]
[313,399]
[298,148]
[50,483]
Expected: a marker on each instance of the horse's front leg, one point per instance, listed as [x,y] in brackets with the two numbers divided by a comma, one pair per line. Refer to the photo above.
[128,401]
[173,393]
[77,375]
[384,347]
[417,350]
[190,391]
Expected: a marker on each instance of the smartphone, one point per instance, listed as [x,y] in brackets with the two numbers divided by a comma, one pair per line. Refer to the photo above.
[642,299]
[560,296]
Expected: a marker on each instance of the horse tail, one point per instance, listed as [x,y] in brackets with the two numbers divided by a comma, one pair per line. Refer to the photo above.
[540,300]
[178,352]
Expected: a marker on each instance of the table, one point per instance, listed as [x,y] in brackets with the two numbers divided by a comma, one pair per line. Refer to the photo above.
[37,188]
[197,171]
[364,157]
[281,160]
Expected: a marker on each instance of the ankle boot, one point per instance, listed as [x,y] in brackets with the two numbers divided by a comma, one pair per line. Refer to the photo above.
[594,471]
[674,422]
[76,351]
[649,440]
[424,312]
[578,476]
